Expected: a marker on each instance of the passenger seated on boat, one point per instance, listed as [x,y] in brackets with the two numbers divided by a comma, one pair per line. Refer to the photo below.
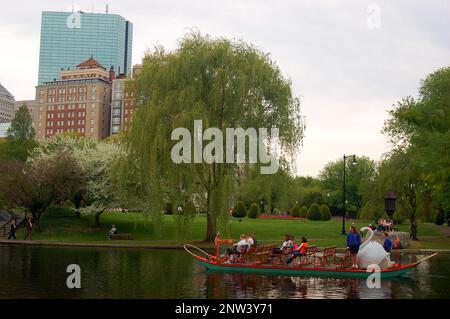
[251,241]
[300,251]
[286,244]
[240,247]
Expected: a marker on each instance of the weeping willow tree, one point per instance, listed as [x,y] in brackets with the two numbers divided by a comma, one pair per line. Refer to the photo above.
[223,83]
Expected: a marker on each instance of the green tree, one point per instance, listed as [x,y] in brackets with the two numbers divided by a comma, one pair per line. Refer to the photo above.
[421,128]
[37,185]
[226,84]
[358,176]
[184,218]
[20,137]
[95,159]
[21,125]
[400,171]
[314,212]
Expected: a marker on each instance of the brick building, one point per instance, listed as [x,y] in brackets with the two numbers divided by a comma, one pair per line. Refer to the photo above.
[79,102]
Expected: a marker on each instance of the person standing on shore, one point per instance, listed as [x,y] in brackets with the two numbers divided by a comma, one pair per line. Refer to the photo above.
[12,232]
[29,229]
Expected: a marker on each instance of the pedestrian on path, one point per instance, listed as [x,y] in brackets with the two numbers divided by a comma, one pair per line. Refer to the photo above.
[12,232]
[29,229]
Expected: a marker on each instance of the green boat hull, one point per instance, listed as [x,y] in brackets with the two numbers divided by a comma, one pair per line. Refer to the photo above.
[306,272]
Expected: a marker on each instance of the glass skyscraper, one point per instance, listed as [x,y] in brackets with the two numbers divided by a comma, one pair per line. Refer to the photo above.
[68,38]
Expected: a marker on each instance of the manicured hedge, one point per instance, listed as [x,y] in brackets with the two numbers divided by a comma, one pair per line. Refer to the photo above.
[325,212]
[295,211]
[240,211]
[314,212]
[253,211]
[303,211]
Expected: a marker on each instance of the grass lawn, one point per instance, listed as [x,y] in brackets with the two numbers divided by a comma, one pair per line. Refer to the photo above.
[66,227]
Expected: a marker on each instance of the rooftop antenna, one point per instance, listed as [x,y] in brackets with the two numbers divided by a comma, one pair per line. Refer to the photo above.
[107,8]
[72,7]
[92,6]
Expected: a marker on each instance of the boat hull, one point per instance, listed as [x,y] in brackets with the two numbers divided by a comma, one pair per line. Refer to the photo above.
[306,272]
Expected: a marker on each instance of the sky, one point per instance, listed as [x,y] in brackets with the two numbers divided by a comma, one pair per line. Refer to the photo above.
[348,61]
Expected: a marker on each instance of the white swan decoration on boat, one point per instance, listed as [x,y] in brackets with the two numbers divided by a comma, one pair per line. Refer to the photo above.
[372,252]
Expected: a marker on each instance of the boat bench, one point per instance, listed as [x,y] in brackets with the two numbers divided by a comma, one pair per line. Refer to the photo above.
[121,237]
[262,253]
[309,258]
[343,260]
[282,256]
[325,257]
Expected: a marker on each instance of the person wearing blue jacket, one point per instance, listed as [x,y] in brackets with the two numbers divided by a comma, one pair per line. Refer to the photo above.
[387,245]
[353,243]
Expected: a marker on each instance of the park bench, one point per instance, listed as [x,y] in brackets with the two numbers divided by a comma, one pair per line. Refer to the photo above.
[121,237]
[324,257]
[343,259]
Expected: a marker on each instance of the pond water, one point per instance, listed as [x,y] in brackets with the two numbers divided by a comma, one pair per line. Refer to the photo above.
[40,272]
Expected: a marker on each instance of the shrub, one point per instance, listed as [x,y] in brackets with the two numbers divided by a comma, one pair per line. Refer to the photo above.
[240,211]
[69,204]
[295,211]
[325,213]
[303,211]
[439,219]
[253,211]
[314,212]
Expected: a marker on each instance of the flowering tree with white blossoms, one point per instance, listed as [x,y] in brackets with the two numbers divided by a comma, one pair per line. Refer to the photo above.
[95,159]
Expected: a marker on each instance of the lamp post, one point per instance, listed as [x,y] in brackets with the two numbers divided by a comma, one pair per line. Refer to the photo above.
[344,212]
[389,203]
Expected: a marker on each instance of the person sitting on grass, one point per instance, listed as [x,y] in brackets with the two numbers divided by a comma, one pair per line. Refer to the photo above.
[353,243]
[299,252]
[112,232]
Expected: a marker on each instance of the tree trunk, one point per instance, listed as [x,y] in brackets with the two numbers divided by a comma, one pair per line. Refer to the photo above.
[210,228]
[36,216]
[210,222]
[97,219]
[413,228]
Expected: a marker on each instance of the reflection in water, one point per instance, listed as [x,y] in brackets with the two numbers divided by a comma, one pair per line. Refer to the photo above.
[30,272]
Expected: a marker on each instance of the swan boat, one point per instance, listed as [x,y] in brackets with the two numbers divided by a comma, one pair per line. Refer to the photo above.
[370,254]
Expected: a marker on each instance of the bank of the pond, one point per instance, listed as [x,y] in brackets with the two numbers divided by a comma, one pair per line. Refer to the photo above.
[155,245]
[65,228]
